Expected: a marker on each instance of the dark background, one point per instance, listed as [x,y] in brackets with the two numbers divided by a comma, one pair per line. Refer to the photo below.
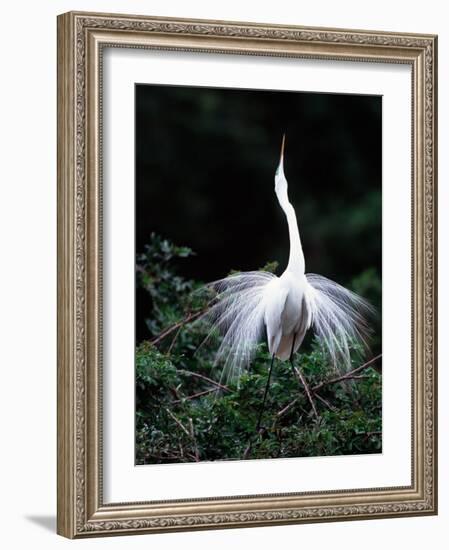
[205,164]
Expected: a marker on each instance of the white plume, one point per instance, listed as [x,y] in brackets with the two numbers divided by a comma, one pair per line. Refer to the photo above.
[237,314]
[339,319]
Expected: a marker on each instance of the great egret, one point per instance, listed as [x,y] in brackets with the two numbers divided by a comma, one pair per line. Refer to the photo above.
[254,304]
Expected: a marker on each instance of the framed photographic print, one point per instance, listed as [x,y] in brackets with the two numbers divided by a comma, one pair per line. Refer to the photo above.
[246,274]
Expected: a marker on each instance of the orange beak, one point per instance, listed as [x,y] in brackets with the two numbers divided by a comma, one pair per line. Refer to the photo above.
[282,146]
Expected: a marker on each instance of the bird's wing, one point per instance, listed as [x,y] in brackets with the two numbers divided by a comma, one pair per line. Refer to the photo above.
[339,318]
[275,297]
[237,315]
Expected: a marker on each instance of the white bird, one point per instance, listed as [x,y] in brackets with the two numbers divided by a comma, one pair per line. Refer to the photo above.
[252,305]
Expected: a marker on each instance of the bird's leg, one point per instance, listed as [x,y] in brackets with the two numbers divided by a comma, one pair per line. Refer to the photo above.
[297,372]
[265,394]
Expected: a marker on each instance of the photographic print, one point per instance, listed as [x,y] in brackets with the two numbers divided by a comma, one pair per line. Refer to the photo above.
[247,243]
[258,274]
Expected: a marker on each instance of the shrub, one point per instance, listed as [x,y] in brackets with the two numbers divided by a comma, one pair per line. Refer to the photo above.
[184,414]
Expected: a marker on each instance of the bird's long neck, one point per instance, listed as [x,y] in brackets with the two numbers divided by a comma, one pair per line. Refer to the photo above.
[296,262]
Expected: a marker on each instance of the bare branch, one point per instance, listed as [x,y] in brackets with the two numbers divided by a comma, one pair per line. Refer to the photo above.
[176,419]
[190,433]
[187,319]
[325,402]
[348,376]
[287,407]
[172,343]
[195,444]
[307,390]
[194,396]
[202,377]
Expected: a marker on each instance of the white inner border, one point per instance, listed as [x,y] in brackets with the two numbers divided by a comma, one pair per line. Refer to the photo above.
[122,480]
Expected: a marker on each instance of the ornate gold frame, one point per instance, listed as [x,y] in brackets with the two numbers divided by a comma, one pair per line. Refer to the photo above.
[81,38]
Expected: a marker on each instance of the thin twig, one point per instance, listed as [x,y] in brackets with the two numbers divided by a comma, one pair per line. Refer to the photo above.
[172,343]
[180,424]
[175,393]
[348,376]
[325,402]
[195,444]
[190,433]
[247,451]
[307,390]
[192,456]
[207,379]
[194,396]
[287,407]
[187,319]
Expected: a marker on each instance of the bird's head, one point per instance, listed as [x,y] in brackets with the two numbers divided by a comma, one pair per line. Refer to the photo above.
[280,182]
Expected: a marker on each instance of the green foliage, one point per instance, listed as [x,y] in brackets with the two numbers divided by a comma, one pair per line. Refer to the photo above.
[155,275]
[182,415]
